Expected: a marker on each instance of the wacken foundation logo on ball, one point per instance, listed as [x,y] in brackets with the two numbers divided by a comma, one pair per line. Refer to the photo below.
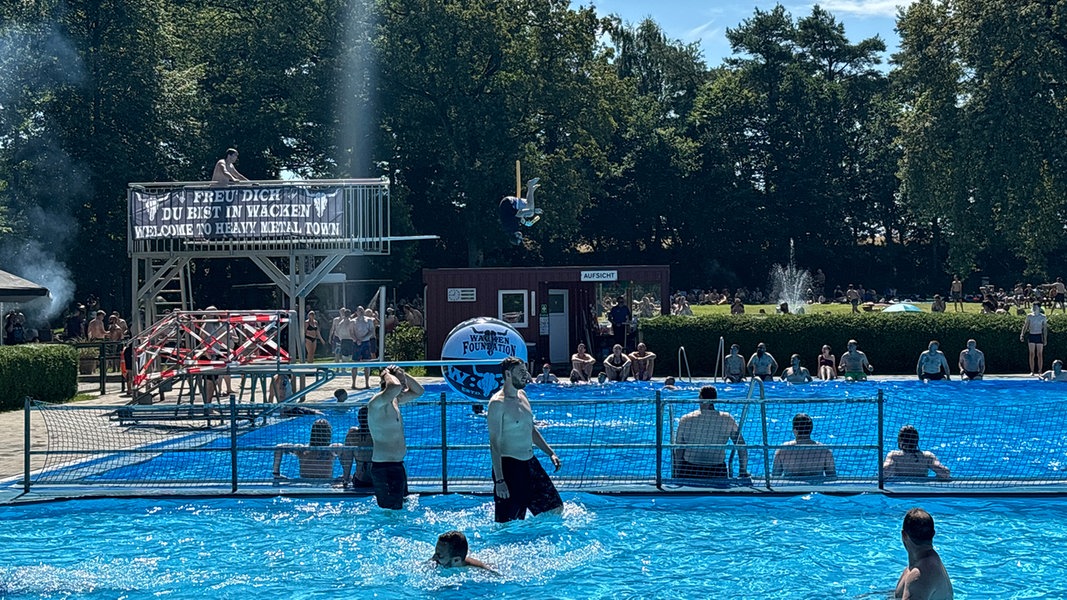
[479,339]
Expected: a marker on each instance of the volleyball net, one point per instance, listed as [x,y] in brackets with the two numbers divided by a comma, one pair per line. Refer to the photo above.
[605,444]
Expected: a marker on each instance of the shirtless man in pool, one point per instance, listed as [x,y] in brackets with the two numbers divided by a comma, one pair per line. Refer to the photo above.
[386,427]
[972,362]
[925,577]
[932,365]
[519,480]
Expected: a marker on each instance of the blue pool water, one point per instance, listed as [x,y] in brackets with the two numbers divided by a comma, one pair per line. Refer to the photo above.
[600,547]
[990,430]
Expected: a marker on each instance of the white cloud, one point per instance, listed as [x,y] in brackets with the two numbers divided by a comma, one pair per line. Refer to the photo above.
[702,31]
[866,8]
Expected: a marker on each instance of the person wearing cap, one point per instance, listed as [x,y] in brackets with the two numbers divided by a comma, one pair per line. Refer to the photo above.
[762,363]
[734,365]
[707,426]
[854,363]
[925,576]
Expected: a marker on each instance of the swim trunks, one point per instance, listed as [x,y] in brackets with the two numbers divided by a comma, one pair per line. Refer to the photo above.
[932,376]
[363,351]
[972,374]
[735,378]
[856,375]
[688,469]
[348,347]
[766,377]
[529,487]
[390,484]
[1059,298]
[1035,338]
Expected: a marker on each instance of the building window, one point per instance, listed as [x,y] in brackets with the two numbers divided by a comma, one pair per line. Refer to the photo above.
[512,307]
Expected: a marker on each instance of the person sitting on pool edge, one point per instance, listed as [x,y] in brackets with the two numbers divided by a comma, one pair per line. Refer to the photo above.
[762,364]
[795,373]
[925,576]
[451,551]
[316,458]
[359,447]
[972,362]
[581,365]
[932,365]
[707,426]
[909,461]
[642,362]
[734,365]
[804,457]
[827,364]
[1056,374]
[854,363]
[617,364]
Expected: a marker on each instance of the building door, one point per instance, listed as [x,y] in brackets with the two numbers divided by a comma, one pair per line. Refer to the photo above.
[559,327]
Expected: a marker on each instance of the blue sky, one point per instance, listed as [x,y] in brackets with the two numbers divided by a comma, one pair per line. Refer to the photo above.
[705,21]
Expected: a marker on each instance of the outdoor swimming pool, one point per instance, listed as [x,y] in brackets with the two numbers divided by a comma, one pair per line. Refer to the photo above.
[987,433]
[811,546]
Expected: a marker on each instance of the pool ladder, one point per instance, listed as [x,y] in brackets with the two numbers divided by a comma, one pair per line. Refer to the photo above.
[744,416]
[684,359]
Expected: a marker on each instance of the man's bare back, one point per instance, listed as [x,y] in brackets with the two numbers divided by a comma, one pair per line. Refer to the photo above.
[926,580]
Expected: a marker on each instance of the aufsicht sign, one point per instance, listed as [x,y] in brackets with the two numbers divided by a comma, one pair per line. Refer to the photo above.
[238,212]
[600,275]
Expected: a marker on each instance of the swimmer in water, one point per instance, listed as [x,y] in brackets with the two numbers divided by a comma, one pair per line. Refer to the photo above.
[451,551]
[925,577]
[1056,374]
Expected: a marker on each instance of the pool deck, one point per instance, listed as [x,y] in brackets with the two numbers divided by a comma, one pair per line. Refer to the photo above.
[12,456]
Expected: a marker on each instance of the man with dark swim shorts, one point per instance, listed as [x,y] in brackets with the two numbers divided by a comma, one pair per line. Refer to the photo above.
[387,431]
[932,365]
[972,362]
[519,480]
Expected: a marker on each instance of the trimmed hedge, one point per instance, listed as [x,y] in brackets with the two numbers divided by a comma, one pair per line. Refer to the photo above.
[47,372]
[892,342]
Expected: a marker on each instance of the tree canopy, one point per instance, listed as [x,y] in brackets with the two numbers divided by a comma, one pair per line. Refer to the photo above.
[945,159]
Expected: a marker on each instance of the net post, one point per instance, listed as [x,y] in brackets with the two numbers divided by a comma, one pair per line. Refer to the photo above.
[26,445]
[102,359]
[881,439]
[444,445]
[659,440]
[766,451]
[233,443]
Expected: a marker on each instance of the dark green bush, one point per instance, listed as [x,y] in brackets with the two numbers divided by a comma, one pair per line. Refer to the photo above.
[406,342]
[892,342]
[46,372]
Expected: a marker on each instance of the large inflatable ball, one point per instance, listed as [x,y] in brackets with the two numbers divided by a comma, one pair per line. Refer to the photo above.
[479,339]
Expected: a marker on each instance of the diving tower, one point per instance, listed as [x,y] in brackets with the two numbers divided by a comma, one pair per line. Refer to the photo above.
[295,231]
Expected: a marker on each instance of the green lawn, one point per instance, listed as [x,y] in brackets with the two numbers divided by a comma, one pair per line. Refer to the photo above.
[837,309]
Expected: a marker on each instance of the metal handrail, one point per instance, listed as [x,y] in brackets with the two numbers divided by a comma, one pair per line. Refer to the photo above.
[683,355]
